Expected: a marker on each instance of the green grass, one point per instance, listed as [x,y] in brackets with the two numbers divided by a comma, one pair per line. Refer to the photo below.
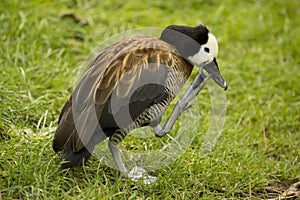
[40,53]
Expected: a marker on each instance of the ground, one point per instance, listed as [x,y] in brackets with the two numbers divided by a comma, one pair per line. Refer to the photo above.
[43,43]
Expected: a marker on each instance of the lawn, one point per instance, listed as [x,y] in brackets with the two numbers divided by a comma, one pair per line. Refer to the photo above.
[43,44]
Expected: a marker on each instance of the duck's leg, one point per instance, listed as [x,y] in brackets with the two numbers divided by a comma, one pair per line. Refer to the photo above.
[182,104]
[117,158]
[137,173]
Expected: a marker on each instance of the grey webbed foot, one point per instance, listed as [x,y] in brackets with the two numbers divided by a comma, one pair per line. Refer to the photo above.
[138,173]
[159,131]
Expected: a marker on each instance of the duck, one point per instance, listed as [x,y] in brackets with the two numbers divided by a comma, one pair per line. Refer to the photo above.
[129,85]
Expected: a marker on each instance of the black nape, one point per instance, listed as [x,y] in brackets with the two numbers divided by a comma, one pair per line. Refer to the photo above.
[187,40]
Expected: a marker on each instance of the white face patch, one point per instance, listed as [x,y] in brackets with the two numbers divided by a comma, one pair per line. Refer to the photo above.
[212,44]
[202,57]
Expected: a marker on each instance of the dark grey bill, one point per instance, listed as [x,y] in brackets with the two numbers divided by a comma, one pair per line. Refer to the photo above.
[213,69]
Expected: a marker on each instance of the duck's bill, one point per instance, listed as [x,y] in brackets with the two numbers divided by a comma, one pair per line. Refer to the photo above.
[213,69]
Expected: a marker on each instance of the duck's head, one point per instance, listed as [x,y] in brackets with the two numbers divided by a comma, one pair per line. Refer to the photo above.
[198,46]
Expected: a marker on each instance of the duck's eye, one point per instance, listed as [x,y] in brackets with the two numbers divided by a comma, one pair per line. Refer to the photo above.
[206,49]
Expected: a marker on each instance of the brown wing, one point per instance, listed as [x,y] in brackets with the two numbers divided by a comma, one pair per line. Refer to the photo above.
[82,94]
[136,67]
